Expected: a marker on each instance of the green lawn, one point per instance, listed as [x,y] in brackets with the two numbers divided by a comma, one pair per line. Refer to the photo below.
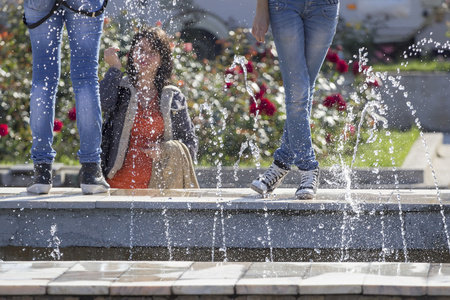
[378,153]
[415,65]
[368,155]
[389,149]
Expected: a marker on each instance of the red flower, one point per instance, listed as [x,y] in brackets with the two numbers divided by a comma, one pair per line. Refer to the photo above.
[249,66]
[72,114]
[267,107]
[263,88]
[57,125]
[350,128]
[228,85]
[341,105]
[335,99]
[229,71]
[332,56]
[253,108]
[158,24]
[4,130]
[329,101]
[262,91]
[355,68]
[187,47]
[329,138]
[342,66]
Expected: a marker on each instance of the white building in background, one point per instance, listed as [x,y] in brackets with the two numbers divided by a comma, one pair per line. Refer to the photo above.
[204,21]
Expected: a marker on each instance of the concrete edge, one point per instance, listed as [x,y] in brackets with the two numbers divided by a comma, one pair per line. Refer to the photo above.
[422,153]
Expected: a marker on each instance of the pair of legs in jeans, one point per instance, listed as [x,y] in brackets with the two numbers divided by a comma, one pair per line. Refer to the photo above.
[84,35]
[303,31]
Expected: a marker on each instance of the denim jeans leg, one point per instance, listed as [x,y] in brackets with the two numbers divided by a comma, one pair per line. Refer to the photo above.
[302,34]
[46,47]
[84,38]
[288,31]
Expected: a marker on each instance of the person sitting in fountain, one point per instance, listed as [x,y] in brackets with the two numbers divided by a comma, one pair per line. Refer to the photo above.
[148,137]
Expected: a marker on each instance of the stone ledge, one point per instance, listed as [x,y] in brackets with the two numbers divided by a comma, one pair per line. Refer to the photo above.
[228,218]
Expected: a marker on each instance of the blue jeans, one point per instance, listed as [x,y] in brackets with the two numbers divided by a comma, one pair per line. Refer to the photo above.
[84,40]
[303,31]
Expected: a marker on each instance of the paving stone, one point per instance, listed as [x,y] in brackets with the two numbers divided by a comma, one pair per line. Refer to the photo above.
[405,279]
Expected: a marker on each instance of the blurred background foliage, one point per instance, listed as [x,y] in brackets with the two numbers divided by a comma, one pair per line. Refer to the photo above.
[236,100]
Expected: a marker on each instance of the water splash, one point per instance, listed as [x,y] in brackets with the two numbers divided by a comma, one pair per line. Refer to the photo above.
[167,232]
[55,242]
[244,146]
[206,109]
[131,228]
[400,215]
[433,173]
[241,61]
[269,232]
[213,244]
[415,50]
[223,249]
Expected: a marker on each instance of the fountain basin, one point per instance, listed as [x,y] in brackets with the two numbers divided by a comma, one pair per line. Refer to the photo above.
[226,224]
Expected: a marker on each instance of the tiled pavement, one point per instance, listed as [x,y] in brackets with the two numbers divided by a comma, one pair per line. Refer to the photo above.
[227,279]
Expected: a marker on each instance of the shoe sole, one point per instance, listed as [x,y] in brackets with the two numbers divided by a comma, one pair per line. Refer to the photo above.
[89,189]
[304,196]
[257,189]
[39,188]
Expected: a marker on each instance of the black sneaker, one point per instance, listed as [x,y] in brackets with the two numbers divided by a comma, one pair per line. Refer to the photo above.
[309,184]
[270,180]
[92,180]
[41,182]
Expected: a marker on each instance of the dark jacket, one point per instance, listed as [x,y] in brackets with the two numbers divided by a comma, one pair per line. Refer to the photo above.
[119,105]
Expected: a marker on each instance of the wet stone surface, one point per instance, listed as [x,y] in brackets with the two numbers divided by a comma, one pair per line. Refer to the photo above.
[225,224]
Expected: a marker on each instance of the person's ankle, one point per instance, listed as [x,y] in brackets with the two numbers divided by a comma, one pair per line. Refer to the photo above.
[282,165]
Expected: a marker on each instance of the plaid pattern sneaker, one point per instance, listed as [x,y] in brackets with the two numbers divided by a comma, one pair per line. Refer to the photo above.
[308,185]
[270,180]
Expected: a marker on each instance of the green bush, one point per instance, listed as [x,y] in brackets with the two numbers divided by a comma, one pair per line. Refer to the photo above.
[233,127]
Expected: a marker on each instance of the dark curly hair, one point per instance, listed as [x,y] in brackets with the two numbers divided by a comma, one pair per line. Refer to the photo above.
[160,42]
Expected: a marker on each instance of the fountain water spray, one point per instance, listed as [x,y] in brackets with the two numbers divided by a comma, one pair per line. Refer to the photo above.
[55,242]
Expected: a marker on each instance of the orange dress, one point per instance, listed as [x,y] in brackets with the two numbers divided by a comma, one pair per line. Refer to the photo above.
[136,170]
